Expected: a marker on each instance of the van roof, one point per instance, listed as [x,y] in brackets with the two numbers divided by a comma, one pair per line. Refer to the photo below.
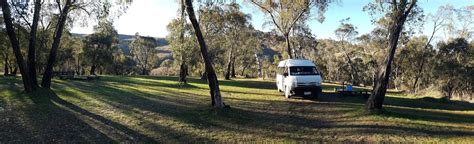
[295,62]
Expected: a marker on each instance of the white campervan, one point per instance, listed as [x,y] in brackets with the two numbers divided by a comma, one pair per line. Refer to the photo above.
[298,77]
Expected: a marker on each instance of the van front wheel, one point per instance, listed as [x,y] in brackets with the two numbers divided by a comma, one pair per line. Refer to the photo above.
[316,93]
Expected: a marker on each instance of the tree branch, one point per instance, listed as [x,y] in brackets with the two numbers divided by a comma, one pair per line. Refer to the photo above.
[58,2]
[412,4]
[270,13]
[22,16]
[297,18]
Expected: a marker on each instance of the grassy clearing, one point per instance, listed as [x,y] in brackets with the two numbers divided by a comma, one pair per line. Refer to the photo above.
[158,109]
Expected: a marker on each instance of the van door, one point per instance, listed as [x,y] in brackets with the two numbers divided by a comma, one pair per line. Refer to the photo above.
[279,78]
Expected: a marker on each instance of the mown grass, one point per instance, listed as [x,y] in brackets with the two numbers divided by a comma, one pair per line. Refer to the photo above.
[158,109]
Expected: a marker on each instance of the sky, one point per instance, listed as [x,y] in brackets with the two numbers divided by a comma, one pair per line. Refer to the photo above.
[150,17]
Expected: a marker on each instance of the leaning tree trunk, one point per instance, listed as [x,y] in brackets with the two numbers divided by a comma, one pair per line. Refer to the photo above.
[32,45]
[16,46]
[211,75]
[48,73]
[420,68]
[243,70]
[399,15]
[376,100]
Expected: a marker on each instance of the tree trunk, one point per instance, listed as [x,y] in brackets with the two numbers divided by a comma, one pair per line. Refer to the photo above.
[418,75]
[243,70]
[229,64]
[204,76]
[420,70]
[376,100]
[353,71]
[16,46]
[233,69]
[288,46]
[183,72]
[399,15]
[144,71]
[351,65]
[6,70]
[259,67]
[211,75]
[32,45]
[46,83]
[92,72]
[15,71]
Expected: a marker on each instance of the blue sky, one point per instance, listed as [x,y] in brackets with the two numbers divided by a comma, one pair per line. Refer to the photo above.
[150,17]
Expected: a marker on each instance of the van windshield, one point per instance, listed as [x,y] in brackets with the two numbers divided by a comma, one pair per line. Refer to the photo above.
[303,70]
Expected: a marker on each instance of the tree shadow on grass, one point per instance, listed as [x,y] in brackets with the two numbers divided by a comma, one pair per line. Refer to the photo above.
[38,119]
[128,101]
[288,125]
[415,109]
[234,83]
[112,129]
[423,103]
[252,121]
[271,125]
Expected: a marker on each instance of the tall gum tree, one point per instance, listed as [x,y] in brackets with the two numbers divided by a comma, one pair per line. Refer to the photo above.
[438,22]
[345,33]
[216,97]
[236,21]
[15,44]
[397,15]
[101,9]
[48,73]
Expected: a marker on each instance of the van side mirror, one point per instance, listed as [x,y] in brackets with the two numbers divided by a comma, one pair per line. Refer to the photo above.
[285,74]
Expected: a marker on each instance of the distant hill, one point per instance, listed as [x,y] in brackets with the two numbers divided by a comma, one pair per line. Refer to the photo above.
[126,39]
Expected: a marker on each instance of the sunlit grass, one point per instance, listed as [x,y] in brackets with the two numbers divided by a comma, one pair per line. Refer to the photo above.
[159,109]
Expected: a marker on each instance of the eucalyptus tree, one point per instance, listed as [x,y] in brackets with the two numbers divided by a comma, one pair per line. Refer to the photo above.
[15,44]
[142,49]
[64,11]
[414,52]
[284,14]
[454,68]
[439,21]
[346,32]
[4,51]
[216,97]
[183,45]
[23,10]
[99,46]
[177,32]
[465,16]
[100,9]
[235,23]
[399,12]
[212,21]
